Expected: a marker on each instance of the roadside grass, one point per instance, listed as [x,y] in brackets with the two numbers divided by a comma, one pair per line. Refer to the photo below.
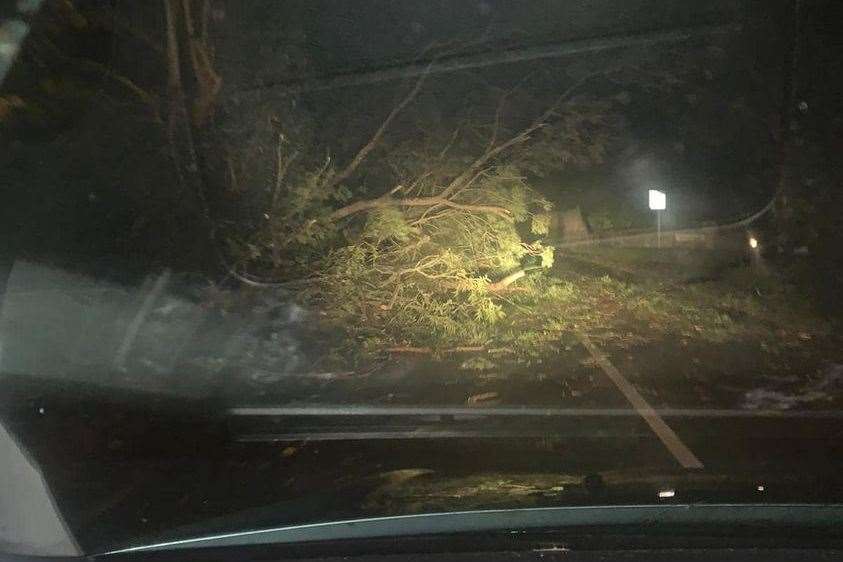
[732,303]
[663,265]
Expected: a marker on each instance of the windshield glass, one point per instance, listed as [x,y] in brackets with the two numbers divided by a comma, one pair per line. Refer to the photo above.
[271,263]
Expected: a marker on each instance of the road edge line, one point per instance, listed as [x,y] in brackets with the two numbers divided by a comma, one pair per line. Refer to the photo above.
[683,455]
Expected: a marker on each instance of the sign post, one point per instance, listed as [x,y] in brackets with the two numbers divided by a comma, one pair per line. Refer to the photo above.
[658,203]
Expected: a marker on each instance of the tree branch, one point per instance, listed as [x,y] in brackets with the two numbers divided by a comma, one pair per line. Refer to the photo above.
[281,167]
[179,132]
[448,146]
[93,67]
[387,201]
[207,79]
[507,281]
[429,350]
[373,142]
[522,136]
[498,112]
[206,18]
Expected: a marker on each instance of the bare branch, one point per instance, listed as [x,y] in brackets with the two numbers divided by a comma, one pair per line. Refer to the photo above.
[179,132]
[507,281]
[498,112]
[491,209]
[207,78]
[426,217]
[88,66]
[387,201]
[178,126]
[234,184]
[395,189]
[281,167]
[501,104]
[205,20]
[373,142]
[254,281]
[469,183]
[451,142]
[428,350]
[522,136]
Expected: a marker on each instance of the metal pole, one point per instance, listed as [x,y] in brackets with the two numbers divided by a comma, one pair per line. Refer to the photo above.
[658,229]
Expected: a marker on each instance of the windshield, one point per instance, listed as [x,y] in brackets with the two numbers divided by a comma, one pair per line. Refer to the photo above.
[274,263]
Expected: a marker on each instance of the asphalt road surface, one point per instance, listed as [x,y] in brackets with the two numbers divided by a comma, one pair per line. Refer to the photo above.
[128,467]
[141,446]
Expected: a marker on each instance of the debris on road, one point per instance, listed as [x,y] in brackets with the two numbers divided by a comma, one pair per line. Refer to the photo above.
[483,398]
[823,388]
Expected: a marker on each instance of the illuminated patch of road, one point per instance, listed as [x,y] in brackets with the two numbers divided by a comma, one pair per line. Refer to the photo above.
[683,455]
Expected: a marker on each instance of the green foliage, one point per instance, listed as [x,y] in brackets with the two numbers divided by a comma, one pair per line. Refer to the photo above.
[422,276]
[387,224]
[610,214]
[540,224]
[547,256]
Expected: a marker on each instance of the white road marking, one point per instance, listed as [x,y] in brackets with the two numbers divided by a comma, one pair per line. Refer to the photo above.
[668,437]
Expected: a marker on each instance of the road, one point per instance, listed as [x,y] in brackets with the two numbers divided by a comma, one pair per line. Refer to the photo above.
[157,453]
[130,466]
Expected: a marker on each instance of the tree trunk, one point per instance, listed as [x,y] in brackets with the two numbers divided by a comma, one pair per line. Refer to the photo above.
[180,139]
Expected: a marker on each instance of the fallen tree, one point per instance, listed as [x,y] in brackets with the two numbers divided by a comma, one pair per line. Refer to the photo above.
[429,261]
